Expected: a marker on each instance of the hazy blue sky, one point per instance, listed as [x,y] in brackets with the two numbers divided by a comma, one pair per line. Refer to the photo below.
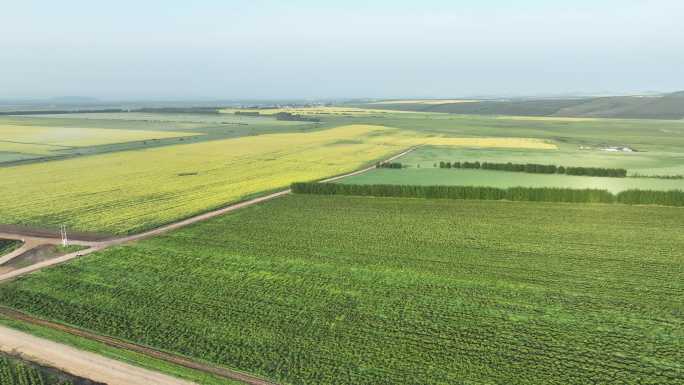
[275,49]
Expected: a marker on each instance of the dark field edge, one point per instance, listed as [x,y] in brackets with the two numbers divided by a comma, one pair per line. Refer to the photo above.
[673,198]
[77,338]
[9,245]
[49,375]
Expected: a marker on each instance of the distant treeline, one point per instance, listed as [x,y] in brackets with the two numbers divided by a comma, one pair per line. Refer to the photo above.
[533,194]
[458,192]
[57,112]
[389,165]
[657,176]
[287,116]
[294,117]
[538,168]
[180,110]
[247,113]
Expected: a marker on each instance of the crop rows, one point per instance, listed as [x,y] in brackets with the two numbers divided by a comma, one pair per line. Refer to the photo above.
[325,290]
[14,372]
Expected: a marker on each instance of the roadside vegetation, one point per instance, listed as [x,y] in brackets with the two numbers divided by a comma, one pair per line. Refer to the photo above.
[322,290]
[17,372]
[9,245]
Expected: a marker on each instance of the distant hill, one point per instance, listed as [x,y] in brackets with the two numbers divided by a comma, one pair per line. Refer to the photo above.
[669,106]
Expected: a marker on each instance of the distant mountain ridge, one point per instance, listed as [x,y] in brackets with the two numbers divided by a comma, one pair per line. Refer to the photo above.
[668,106]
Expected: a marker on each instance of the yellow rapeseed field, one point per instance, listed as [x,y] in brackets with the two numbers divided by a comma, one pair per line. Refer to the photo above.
[426,101]
[134,190]
[548,118]
[313,111]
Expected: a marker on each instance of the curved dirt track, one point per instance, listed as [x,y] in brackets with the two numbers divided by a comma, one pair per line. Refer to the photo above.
[62,354]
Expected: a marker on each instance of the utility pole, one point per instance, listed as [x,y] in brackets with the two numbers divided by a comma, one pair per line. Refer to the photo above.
[65,240]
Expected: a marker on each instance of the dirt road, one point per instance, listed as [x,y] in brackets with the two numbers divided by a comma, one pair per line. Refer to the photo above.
[80,363]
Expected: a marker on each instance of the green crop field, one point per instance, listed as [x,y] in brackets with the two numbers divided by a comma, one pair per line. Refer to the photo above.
[351,290]
[503,179]
[421,167]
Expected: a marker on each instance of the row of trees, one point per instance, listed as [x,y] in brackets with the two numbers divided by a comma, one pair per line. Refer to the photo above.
[288,116]
[535,194]
[538,168]
[651,197]
[389,165]
[657,176]
[458,192]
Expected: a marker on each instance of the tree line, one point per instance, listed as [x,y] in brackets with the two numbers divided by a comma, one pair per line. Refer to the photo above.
[533,194]
[389,165]
[538,168]
[651,197]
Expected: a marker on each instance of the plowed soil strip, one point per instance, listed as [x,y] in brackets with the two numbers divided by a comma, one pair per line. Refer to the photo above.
[168,357]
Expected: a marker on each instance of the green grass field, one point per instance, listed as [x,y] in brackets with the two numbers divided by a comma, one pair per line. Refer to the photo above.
[422,168]
[643,163]
[340,290]
[503,179]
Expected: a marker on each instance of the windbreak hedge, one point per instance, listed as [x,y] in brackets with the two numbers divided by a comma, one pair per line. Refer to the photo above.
[533,194]
[538,168]
[652,197]
[458,192]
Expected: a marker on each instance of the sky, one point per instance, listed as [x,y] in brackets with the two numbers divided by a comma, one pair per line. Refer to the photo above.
[259,49]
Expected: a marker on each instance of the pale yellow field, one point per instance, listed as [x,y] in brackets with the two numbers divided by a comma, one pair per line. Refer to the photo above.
[427,101]
[548,118]
[309,111]
[27,148]
[134,190]
[75,136]
[407,139]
